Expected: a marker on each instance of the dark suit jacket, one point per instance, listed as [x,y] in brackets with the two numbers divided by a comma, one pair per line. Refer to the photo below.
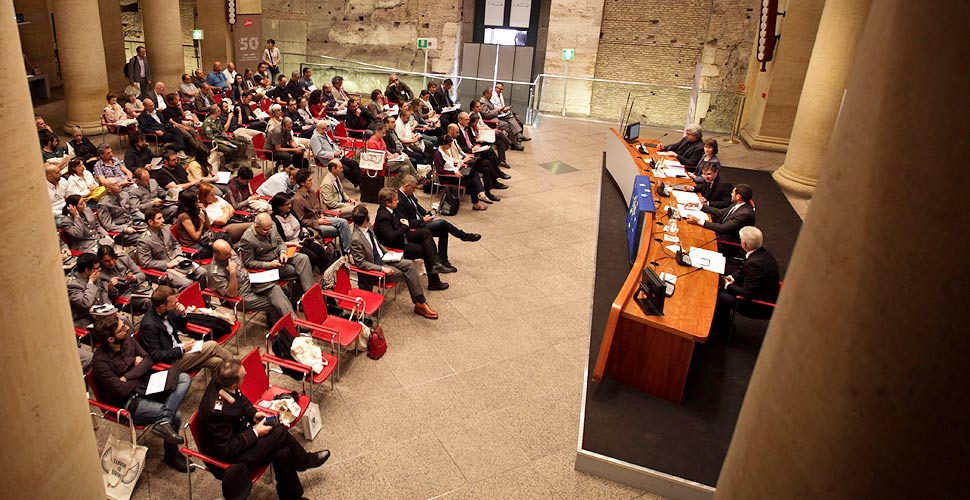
[413,213]
[156,340]
[757,279]
[389,230]
[149,125]
[688,153]
[132,71]
[717,193]
[224,432]
[727,230]
[440,99]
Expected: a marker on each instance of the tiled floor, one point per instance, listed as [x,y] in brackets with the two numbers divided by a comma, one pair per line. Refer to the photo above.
[484,402]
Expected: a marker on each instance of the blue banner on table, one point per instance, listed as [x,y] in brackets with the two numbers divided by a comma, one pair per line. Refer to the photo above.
[640,201]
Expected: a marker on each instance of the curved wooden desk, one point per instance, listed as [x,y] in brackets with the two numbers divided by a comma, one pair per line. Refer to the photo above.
[653,353]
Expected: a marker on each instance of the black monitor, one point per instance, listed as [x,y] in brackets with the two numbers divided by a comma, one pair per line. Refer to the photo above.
[652,293]
[632,132]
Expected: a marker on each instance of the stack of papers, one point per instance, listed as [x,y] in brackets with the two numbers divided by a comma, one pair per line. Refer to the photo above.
[673,163]
[685,197]
[223,177]
[479,149]
[487,135]
[268,276]
[393,257]
[708,260]
[685,212]
[156,163]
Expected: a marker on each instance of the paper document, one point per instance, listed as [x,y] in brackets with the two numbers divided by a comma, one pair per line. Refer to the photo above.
[686,212]
[671,238]
[393,257]
[708,260]
[197,346]
[486,134]
[156,163]
[451,108]
[223,177]
[672,163]
[156,383]
[479,149]
[676,171]
[658,174]
[311,88]
[268,276]
[668,277]
[684,197]
[340,112]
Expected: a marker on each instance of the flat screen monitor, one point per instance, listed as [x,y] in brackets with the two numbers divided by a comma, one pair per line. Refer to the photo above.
[632,132]
[652,293]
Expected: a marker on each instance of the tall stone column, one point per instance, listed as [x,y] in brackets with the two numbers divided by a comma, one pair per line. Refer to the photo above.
[163,41]
[217,45]
[81,53]
[37,38]
[818,107]
[860,387]
[114,44]
[49,445]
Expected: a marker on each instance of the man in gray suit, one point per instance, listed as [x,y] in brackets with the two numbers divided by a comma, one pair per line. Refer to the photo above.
[139,71]
[83,291]
[262,247]
[230,278]
[146,193]
[368,253]
[158,250]
[116,212]
[506,122]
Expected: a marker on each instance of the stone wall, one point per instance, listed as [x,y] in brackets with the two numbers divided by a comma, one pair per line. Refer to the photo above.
[573,24]
[131,25]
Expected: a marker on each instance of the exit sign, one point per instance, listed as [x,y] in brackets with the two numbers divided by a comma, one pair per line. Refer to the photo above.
[568,54]
[427,43]
[197,35]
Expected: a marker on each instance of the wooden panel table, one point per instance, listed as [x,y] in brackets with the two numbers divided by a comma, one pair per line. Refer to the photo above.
[653,353]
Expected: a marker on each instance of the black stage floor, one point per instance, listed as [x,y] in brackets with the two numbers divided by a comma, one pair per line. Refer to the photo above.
[689,440]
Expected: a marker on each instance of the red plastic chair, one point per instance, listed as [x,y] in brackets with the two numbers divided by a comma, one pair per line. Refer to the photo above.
[334,329]
[189,250]
[366,302]
[111,413]
[287,326]
[262,154]
[192,296]
[218,466]
[256,386]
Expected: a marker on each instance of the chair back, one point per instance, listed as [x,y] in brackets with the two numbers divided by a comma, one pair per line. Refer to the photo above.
[192,296]
[259,143]
[194,429]
[258,179]
[93,386]
[314,305]
[256,381]
[265,104]
[340,130]
[343,281]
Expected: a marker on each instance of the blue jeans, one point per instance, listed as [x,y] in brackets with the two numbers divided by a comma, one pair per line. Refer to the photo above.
[338,226]
[150,411]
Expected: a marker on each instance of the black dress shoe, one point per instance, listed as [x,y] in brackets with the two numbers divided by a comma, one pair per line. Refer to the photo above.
[505,165]
[503,175]
[470,237]
[492,197]
[177,463]
[438,286]
[317,459]
[167,433]
[516,147]
[445,267]
[523,138]
[499,185]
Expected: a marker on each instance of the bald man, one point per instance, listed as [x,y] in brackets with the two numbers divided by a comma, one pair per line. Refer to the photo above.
[56,185]
[262,247]
[229,277]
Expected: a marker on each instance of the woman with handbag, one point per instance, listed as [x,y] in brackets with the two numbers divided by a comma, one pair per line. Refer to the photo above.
[192,227]
[297,236]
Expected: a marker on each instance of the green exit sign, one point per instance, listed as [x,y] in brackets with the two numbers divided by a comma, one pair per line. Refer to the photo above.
[422,43]
[568,54]
[197,34]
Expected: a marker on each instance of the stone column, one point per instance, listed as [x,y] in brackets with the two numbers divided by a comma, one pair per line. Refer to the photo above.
[49,445]
[114,45]
[818,107]
[37,38]
[217,45]
[163,41]
[81,53]
[860,387]
[773,95]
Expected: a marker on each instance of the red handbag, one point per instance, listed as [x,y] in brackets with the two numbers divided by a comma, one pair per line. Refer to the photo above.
[377,345]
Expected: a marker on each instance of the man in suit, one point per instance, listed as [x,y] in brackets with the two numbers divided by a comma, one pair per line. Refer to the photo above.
[83,291]
[757,279]
[159,336]
[116,212]
[204,100]
[332,191]
[397,92]
[150,122]
[262,247]
[416,243]
[120,277]
[357,117]
[712,190]
[441,99]
[146,193]
[367,254]
[689,150]
[498,100]
[158,250]
[506,121]
[417,217]
[233,431]
[502,142]
[462,146]
[139,71]
[229,277]
[727,221]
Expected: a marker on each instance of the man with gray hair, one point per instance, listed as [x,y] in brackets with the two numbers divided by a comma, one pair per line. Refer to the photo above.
[326,152]
[117,212]
[229,277]
[262,247]
[756,280]
[689,150]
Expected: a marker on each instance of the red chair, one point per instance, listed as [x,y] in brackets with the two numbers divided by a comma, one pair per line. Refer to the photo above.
[756,309]
[257,181]
[287,326]
[323,326]
[192,296]
[364,302]
[217,467]
[111,413]
[262,154]
[256,386]
[189,250]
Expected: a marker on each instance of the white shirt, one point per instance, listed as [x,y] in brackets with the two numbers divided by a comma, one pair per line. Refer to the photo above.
[160,103]
[367,236]
[449,159]
[497,100]
[230,76]
[215,210]
[79,184]
[56,194]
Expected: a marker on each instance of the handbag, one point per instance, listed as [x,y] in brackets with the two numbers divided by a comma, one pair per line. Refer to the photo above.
[122,463]
[377,345]
[311,422]
[450,201]
[97,193]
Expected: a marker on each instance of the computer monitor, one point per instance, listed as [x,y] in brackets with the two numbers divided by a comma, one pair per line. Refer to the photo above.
[652,293]
[632,132]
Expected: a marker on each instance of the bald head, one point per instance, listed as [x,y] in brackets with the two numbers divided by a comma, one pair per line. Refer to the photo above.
[111,185]
[322,127]
[221,250]
[52,172]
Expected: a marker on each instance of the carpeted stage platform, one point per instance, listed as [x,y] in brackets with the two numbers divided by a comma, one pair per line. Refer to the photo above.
[688,440]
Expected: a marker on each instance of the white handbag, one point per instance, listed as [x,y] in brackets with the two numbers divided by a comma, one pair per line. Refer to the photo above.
[311,422]
[122,463]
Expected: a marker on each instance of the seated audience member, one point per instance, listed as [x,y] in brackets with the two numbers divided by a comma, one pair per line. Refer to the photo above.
[229,277]
[213,130]
[176,120]
[711,189]
[318,104]
[234,432]
[397,92]
[306,81]
[216,78]
[416,243]
[117,212]
[689,149]
[329,98]
[286,150]
[199,169]
[152,124]
[417,217]
[220,212]
[113,112]
[358,117]
[441,101]
[324,150]
[244,124]
[249,79]
[507,123]
[50,146]
[367,254]
[192,225]
[404,129]
[42,125]
[727,221]
[396,163]
[56,188]
[275,117]
[262,247]
[448,163]
[302,124]
[84,232]
[425,112]
[121,368]
[198,78]
[172,175]
[159,335]
[279,93]
[463,145]
[377,103]
[82,148]
[396,147]
[293,88]
[204,100]
[339,93]
[309,211]
[332,190]
[139,155]
[157,95]
[498,100]
[188,90]
[262,74]
[240,192]
[502,142]
[146,193]
[120,278]
[757,279]
[80,181]
[133,106]
[109,167]
[292,232]
[158,250]
[280,182]
[83,290]
[238,87]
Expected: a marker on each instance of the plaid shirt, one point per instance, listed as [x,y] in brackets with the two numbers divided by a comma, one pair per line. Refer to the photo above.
[110,170]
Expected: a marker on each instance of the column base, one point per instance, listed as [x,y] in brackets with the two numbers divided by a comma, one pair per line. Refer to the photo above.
[765,142]
[87,128]
[794,183]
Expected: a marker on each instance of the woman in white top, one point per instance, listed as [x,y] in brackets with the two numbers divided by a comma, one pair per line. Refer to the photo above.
[133,106]
[113,112]
[219,211]
[80,182]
